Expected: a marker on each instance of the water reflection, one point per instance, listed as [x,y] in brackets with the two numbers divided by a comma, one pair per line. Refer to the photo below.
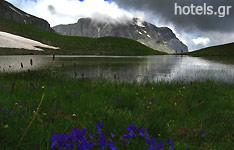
[140,69]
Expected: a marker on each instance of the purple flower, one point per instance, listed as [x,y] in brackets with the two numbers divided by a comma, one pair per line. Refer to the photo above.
[99,125]
[170,142]
[117,99]
[76,140]
[152,148]
[102,141]
[160,145]
[111,145]
[203,132]
[99,132]
[112,135]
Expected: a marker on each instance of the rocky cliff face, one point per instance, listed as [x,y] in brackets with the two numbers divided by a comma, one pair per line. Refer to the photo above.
[9,11]
[162,39]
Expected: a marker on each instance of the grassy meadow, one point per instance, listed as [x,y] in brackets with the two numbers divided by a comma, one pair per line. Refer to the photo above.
[223,51]
[196,115]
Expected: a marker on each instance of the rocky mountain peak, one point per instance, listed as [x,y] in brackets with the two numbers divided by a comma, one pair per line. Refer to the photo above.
[162,39]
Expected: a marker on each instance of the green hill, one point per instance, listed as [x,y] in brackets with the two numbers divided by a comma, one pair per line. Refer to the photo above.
[73,45]
[226,50]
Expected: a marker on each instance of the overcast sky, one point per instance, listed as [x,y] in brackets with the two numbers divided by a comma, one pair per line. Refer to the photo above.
[196,31]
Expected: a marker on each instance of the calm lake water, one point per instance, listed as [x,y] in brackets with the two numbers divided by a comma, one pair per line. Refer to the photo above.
[140,69]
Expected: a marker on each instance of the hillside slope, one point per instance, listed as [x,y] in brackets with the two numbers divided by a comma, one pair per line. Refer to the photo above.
[226,50]
[73,45]
[9,11]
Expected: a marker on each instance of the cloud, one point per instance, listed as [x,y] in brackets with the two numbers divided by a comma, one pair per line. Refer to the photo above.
[69,11]
[166,10]
[201,41]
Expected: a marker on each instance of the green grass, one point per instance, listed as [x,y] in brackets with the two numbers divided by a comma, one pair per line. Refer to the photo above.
[74,45]
[180,110]
[226,50]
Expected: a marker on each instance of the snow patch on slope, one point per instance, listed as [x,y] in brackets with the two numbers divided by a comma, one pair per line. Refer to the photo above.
[8,40]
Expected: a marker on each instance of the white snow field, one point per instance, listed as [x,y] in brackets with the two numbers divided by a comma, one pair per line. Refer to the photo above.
[8,40]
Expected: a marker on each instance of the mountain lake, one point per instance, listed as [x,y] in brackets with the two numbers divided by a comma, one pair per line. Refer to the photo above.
[169,68]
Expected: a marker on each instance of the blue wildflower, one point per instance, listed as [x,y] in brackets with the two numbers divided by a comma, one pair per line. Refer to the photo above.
[102,141]
[170,142]
[111,145]
[117,99]
[203,132]
[99,125]
[160,145]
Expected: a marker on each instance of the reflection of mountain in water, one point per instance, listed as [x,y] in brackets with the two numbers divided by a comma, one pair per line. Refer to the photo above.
[194,68]
[128,69]
[140,69]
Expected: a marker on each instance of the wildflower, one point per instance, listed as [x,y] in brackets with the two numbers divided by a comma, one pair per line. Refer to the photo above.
[44,114]
[1,109]
[203,132]
[160,145]
[43,87]
[77,94]
[16,104]
[99,125]
[99,132]
[150,103]
[170,143]
[152,148]
[111,145]
[5,126]
[153,101]
[102,141]
[117,99]
[175,103]
[112,135]
[73,115]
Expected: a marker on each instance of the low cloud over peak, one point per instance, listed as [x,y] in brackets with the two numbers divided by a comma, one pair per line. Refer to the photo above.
[218,30]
